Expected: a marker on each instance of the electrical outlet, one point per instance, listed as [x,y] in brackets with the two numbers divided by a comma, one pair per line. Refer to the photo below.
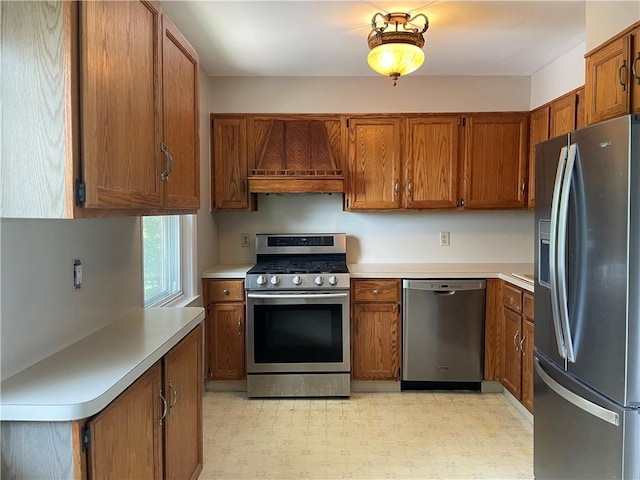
[444,239]
[244,240]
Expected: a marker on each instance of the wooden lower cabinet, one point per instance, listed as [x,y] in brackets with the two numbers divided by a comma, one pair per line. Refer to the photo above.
[375,330]
[153,429]
[225,329]
[516,363]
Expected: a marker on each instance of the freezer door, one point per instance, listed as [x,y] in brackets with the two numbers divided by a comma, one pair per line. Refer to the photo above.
[548,156]
[579,434]
[597,268]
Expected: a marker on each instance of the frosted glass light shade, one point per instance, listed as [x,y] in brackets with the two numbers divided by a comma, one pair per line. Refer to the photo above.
[395,59]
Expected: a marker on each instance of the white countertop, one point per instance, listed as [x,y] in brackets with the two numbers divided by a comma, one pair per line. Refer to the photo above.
[85,377]
[226,271]
[503,271]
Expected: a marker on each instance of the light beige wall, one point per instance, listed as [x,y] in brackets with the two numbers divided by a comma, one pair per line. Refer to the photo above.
[559,77]
[606,18]
[206,228]
[369,94]
[41,311]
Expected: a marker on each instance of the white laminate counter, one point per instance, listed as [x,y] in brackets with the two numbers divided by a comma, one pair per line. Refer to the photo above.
[226,271]
[85,377]
[504,271]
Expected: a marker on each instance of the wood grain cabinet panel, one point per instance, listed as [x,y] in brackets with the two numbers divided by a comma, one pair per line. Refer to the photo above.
[493,331]
[495,161]
[374,163]
[376,342]
[126,437]
[432,164]
[581,109]
[229,169]
[180,118]
[563,115]
[121,103]
[635,70]
[517,341]
[225,325]
[538,132]
[96,114]
[607,81]
[375,329]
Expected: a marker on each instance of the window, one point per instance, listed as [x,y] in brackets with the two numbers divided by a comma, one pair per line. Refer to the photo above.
[168,266]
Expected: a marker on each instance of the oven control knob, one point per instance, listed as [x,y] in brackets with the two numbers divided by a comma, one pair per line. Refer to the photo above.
[275,280]
[297,280]
[261,280]
[333,280]
[319,280]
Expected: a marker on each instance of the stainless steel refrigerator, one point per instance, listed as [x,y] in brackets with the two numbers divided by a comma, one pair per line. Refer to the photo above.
[587,303]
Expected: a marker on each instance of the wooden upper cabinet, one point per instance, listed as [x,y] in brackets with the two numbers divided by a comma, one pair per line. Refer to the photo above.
[495,161]
[608,80]
[121,103]
[562,115]
[374,163]
[180,119]
[538,132]
[431,165]
[635,71]
[581,109]
[229,190]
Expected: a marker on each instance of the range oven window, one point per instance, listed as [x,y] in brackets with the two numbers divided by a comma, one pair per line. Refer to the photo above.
[298,333]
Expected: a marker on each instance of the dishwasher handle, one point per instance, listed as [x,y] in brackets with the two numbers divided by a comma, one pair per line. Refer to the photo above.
[444,286]
[444,293]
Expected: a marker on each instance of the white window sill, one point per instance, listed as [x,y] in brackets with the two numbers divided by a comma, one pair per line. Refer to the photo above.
[182,301]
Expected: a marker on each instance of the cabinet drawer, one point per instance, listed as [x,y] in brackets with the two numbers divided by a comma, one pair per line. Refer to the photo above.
[527,309]
[512,297]
[224,290]
[376,290]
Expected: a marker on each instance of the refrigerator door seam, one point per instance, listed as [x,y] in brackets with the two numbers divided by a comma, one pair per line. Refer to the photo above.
[582,403]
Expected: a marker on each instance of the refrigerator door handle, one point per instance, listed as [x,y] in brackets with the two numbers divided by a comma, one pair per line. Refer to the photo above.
[553,252]
[582,403]
[563,298]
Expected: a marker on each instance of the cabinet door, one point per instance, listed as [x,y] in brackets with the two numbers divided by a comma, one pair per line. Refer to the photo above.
[538,132]
[635,71]
[121,103]
[431,166]
[495,161]
[562,115]
[527,364]
[229,164]
[607,87]
[374,164]
[225,333]
[181,122]
[183,382]
[581,109]
[511,355]
[375,333]
[126,437]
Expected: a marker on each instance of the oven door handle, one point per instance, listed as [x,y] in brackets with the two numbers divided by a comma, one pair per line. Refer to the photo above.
[297,296]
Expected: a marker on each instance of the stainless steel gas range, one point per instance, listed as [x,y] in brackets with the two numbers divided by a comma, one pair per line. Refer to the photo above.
[298,317]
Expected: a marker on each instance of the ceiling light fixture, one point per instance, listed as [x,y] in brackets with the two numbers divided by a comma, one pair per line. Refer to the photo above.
[398,51]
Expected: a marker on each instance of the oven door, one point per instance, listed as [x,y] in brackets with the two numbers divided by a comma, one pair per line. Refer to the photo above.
[291,332]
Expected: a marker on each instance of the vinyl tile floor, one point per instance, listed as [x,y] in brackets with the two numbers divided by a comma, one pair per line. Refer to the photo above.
[408,435]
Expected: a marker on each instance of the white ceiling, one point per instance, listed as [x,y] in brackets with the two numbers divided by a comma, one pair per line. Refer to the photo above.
[299,38]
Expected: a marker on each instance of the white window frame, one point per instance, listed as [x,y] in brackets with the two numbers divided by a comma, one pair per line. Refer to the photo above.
[188,266]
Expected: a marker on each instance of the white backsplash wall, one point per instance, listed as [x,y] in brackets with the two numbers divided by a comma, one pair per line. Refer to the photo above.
[41,311]
[383,237]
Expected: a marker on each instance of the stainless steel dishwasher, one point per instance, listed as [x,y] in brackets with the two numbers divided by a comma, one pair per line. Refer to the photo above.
[443,332]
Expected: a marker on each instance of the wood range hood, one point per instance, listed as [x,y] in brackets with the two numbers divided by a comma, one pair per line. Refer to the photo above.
[296,155]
